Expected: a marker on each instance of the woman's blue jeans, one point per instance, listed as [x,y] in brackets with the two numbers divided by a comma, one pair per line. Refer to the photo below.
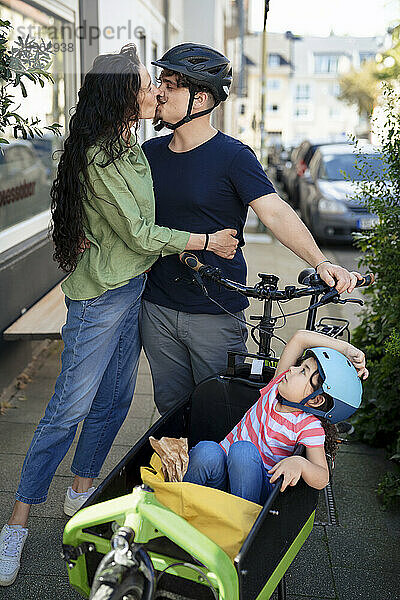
[241,472]
[96,385]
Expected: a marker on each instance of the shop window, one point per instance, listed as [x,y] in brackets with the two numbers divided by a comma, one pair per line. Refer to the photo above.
[27,168]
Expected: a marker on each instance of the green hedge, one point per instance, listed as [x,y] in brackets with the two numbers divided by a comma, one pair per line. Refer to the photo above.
[378,335]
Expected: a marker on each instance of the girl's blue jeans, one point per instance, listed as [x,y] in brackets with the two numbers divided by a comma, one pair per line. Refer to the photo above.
[96,385]
[241,472]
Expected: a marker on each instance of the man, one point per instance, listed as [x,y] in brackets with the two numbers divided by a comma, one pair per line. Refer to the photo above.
[205,180]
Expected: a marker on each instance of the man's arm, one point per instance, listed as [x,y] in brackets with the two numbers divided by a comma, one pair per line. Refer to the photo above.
[289,229]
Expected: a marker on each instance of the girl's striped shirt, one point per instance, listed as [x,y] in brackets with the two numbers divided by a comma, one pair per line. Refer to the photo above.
[275,433]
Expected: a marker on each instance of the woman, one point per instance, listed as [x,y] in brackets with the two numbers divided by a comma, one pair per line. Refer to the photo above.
[102,193]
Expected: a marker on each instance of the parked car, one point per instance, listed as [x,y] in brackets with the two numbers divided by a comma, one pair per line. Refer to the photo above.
[283,165]
[327,199]
[300,161]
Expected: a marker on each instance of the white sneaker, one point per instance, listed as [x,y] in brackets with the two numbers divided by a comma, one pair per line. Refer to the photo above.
[74,501]
[12,540]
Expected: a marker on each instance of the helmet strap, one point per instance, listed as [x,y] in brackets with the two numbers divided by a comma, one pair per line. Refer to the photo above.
[302,404]
[188,117]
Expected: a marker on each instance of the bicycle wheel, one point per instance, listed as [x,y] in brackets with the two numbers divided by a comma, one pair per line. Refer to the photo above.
[130,588]
[114,581]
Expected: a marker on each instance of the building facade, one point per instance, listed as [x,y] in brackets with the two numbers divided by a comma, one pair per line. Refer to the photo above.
[302,87]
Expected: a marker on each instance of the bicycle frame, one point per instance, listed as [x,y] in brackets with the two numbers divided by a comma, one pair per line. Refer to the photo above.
[267,322]
[141,511]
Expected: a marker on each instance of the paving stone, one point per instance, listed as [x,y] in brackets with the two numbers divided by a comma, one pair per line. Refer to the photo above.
[361,584]
[359,470]
[321,514]
[132,430]
[142,406]
[304,575]
[53,507]
[18,442]
[10,469]
[25,412]
[372,550]
[42,549]
[307,597]
[358,448]
[359,509]
[144,385]
[40,587]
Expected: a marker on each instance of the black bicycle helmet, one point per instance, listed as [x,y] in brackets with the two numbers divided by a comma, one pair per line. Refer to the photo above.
[201,65]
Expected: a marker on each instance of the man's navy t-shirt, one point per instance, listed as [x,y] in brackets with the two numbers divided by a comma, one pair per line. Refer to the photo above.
[201,191]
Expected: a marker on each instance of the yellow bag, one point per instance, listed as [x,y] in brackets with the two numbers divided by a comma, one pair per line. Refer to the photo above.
[224,518]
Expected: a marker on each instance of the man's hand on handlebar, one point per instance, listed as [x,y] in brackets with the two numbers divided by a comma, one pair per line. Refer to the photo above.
[223,243]
[338,277]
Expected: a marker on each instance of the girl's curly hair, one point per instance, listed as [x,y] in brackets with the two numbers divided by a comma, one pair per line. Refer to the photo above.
[331,443]
[106,110]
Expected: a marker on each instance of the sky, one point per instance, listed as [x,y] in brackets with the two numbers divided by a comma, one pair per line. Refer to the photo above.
[320,17]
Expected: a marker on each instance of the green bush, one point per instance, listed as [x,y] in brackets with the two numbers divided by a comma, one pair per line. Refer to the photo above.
[24,59]
[378,335]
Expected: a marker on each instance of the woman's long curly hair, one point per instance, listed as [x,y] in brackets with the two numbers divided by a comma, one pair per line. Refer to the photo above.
[107,108]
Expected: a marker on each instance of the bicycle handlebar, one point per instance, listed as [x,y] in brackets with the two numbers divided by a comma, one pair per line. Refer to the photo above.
[266,288]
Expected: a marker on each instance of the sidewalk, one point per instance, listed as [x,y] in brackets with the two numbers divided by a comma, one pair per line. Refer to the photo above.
[359,558]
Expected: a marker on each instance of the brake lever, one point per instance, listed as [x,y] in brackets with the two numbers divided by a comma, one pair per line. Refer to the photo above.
[354,300]
[331,296]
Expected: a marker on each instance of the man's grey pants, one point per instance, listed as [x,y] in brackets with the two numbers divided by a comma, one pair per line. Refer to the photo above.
[185,348]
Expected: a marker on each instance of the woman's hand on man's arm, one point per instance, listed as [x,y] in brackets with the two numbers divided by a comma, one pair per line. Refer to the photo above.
[223,243]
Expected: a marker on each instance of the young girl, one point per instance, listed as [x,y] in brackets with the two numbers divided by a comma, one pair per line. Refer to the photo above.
[299,405]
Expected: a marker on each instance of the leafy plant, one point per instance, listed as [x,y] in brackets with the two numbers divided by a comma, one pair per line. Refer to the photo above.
[389,489]
[388,67]
[378,419]
[22,60]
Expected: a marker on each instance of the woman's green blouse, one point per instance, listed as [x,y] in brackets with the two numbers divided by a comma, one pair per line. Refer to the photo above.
[119,223]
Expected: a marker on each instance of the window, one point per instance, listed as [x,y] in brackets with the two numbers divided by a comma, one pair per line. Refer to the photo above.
[27,167]
[303,91]
[272,107]
[334,113]
[366,56]
[301,112]
[273,84]
[340,166]
[274,60]
[334,89]
[326,63]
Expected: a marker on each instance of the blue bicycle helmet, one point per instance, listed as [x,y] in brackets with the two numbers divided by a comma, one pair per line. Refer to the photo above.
[340,381]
